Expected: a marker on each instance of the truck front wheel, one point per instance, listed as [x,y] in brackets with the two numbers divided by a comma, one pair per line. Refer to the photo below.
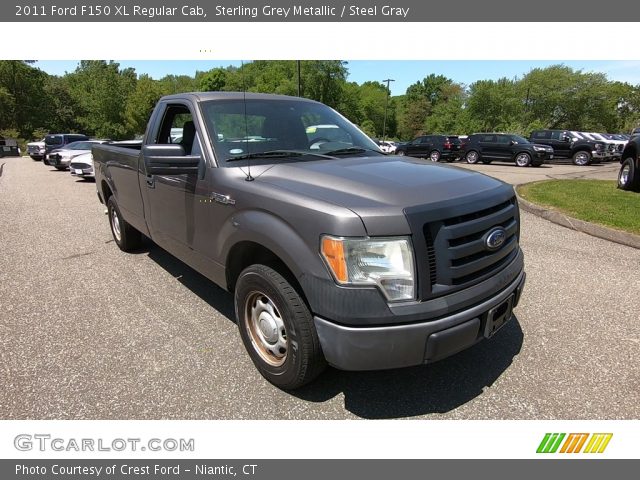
[126,237]
[277,328]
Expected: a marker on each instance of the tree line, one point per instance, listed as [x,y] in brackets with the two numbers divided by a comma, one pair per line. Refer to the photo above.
[104,100]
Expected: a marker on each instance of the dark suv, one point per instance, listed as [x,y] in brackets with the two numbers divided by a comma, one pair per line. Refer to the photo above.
[487,147]
[434,147]
[55,141]
[582,151]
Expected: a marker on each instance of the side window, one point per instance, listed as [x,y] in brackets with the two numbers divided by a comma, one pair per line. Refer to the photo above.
[556,135]
[488,138]
[177,127]
[503,139]
[542,135]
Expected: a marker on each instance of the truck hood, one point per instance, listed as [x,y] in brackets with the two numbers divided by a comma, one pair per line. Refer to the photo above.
[378,189]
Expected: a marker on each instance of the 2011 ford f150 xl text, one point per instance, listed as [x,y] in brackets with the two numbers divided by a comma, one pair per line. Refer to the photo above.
[335,252]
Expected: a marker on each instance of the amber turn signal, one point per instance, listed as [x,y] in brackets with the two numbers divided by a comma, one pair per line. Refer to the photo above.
[333,252]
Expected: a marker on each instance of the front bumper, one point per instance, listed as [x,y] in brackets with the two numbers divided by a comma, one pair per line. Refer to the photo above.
[378,348]
[81,170]
[58,161]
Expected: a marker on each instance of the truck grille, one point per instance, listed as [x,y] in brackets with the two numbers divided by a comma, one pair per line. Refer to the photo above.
[463,257]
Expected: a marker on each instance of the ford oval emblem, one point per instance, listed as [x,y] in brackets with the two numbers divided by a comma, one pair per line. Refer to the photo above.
[495,238]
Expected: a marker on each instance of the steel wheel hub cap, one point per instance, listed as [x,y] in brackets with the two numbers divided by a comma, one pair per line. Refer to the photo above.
[115,222]
[266,329]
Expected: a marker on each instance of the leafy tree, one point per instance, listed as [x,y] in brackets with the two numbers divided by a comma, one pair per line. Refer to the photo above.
[140,104]
[213,80]
[21,96]
[101,90]
[171,84]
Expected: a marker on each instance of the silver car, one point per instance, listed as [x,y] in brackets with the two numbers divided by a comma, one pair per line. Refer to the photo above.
[82,166]
[62,157]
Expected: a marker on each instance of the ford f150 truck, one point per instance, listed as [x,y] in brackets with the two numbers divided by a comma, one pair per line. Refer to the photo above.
[335,253]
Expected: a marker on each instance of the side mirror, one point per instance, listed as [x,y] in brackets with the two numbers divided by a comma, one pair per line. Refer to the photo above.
[169,160]
[513,142]
[566,138]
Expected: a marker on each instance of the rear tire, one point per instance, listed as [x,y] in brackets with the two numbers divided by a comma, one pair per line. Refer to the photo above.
[400,153]
[628,176]
[434,156]
[277,328]
[126,237]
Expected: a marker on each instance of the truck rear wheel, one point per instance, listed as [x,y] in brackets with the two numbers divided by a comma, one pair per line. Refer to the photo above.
[628,176]
[126,237]
[277,328]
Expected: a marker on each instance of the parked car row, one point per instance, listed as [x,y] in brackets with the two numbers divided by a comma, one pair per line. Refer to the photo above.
[582,148]
[66,151]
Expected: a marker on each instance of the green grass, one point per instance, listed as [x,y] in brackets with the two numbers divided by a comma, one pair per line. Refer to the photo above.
[595,201]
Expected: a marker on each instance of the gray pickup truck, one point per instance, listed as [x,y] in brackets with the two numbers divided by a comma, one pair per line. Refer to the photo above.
[335,253]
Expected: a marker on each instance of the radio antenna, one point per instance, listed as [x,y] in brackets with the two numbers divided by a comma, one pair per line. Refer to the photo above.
[248,178]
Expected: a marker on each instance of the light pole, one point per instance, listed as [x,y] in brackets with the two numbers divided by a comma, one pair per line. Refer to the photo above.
[386,104]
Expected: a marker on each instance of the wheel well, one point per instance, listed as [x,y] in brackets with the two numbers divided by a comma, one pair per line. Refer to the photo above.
[630,152]
[106,191]
[244,254]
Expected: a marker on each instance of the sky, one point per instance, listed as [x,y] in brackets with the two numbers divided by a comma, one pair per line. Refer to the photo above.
[403,72]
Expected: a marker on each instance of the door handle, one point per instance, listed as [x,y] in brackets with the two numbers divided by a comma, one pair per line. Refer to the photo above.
[151,181]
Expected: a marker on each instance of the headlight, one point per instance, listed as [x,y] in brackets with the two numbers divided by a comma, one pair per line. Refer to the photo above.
[384,262]
[539,149]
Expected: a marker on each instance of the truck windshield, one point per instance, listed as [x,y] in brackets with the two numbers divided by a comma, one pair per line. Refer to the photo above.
[239,129]
[53,140]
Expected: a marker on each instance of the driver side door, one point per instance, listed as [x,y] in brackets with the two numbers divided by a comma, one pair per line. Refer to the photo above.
[173,200]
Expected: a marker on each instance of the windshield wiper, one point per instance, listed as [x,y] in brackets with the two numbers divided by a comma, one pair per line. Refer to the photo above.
[277,154]
[349,150]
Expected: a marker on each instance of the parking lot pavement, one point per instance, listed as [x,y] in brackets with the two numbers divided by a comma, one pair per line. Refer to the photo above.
[89,332]
[510,173]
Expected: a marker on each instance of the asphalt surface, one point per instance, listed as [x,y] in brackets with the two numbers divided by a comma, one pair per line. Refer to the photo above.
[89,332]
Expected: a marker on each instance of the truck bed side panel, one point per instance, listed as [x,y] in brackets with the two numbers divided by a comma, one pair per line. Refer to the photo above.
[118,166]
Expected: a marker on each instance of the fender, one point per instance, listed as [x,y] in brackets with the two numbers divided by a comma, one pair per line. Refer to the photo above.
[273,233]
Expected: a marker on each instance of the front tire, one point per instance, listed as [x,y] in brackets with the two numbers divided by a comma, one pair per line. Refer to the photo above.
[472,157]
[126,237]
[582,158]
[523,159]
[628,176]
[277,328]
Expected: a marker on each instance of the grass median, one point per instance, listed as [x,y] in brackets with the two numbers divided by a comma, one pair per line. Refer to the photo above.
[595,201]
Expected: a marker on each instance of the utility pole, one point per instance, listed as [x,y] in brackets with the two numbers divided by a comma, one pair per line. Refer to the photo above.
[386,105]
